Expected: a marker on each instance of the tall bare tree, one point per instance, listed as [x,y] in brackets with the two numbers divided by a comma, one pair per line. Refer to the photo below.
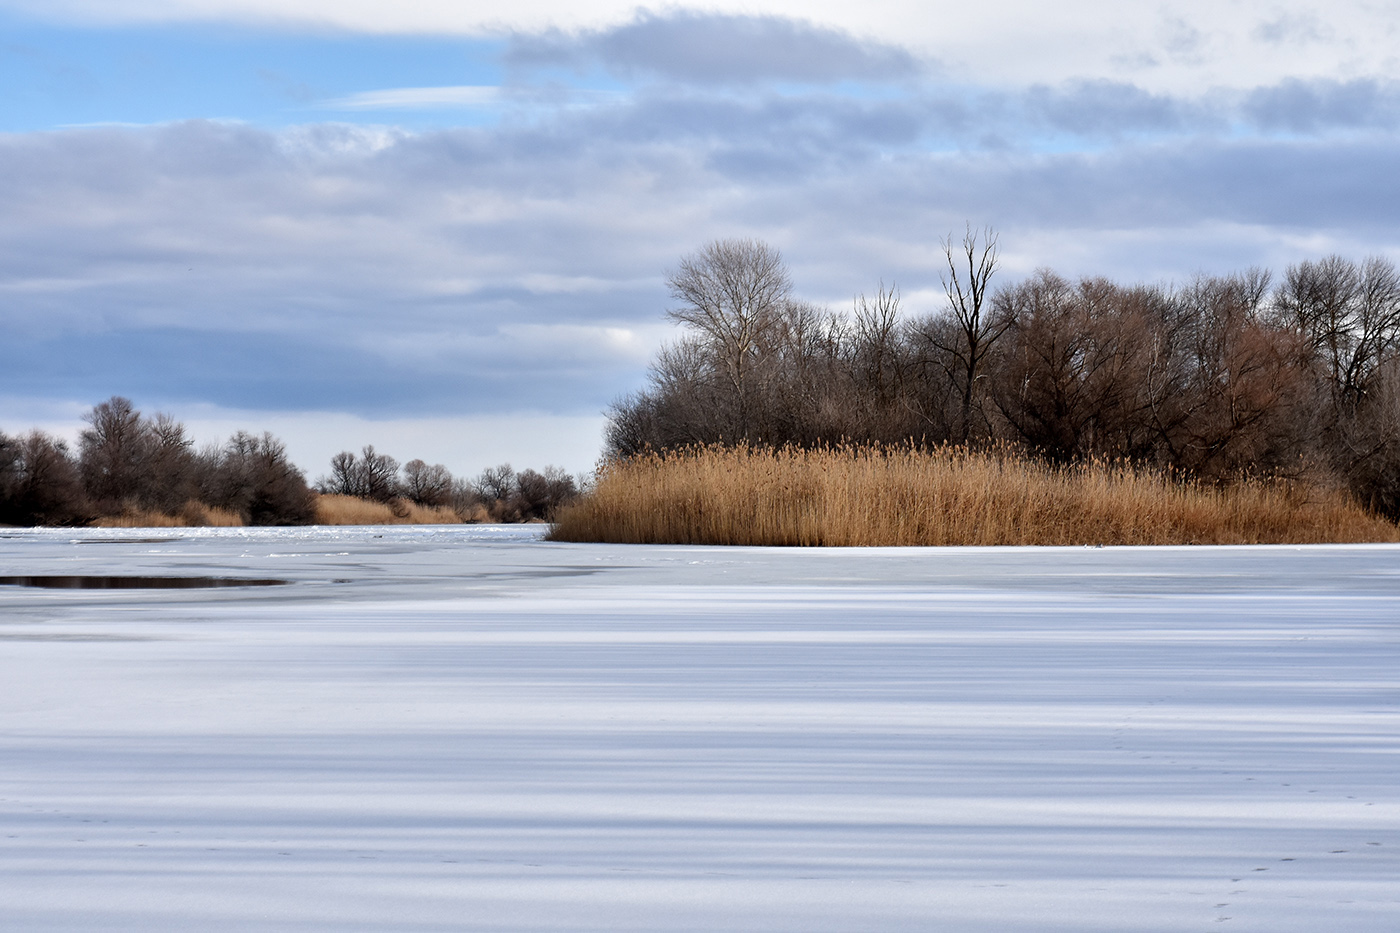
[732,293]
[971,265]
[113,451]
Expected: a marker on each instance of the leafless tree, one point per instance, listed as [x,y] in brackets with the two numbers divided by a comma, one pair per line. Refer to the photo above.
[381,474]
[539,495]
[170,465]
[371,475]
[426,485]
[878,361]
[254,479]
[11,471]
[1349,314]
[496,484]
[731,293]
[346,478]
[39,482]
[113,452]
[974,331]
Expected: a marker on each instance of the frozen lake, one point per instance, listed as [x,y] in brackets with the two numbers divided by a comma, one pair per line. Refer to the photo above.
[466,728]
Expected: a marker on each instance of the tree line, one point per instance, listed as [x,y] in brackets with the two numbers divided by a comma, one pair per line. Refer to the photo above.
[1218,378]
[126,462]
[497,494]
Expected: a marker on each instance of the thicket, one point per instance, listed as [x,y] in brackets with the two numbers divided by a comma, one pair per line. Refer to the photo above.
[133,470]
[421,492]
[1212,381]
[130,469]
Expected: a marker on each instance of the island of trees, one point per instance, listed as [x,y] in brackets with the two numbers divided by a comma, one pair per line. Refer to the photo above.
[1218,387]
[1235,408]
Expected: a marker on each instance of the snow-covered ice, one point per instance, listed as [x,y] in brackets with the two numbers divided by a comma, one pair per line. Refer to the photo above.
[468,728]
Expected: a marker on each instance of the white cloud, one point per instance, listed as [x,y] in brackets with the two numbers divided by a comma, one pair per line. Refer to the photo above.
[1178,45]
[435,279]
[418,98]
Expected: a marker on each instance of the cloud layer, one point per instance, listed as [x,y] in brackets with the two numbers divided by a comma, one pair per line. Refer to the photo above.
[1182,45]
[708,49]
[475,272]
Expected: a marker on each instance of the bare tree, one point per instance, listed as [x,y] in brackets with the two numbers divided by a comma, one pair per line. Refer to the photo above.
[346,478]
[381,474]
[170,464]
[113,451]
[877,363]
[1348,313]
[255,479]
[967,300]
[426,485]
[11,472]
[731,293]
[496,484]
[971,265]
[39,482]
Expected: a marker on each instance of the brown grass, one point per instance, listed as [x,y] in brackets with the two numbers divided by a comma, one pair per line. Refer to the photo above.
[869,496]
[191,515]
[348,510]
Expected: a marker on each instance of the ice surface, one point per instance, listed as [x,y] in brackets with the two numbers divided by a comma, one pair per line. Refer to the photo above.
[468,728]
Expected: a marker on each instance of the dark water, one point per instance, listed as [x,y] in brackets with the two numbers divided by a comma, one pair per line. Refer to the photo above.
[133,583]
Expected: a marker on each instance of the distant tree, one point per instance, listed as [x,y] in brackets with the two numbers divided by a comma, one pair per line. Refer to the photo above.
[113,454]
[170,465]
[11,472]
[879,360]
[255,479]
[39,482]
[539,495]
[372,475]
[426,485]
[496,484]
[346,479]
[381,475]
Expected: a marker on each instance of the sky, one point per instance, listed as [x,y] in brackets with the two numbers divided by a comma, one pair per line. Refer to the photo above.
[443,228]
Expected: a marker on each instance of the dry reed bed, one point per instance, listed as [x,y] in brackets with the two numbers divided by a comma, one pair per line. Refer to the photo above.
[348,510]
[192,514]
[873,497]
[330,510]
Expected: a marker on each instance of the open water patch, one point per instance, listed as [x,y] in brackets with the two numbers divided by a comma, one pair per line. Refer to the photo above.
[71,582]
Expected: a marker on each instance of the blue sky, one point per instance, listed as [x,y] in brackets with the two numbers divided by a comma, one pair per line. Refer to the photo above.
[443,229]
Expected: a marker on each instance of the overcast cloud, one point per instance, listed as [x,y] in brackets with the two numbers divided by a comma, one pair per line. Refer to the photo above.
[457,287]
[705,49]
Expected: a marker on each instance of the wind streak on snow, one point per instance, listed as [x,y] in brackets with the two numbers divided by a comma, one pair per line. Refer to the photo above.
[484,731]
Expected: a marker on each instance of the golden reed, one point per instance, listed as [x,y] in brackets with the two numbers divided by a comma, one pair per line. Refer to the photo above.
[193,514]
[871,496]
[330,510]
[334,509]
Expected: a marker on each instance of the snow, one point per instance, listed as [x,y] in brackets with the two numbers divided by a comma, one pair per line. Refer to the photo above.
[468,728]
